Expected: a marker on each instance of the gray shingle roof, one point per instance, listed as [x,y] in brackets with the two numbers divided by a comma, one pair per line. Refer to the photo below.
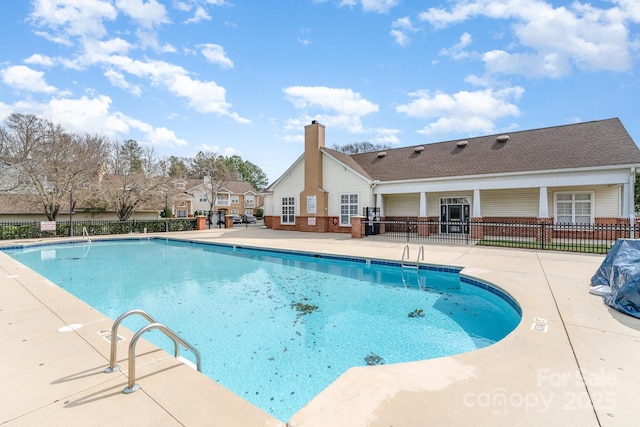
[584,145]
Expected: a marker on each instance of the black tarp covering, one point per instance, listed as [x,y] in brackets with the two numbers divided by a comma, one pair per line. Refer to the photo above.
[620,271]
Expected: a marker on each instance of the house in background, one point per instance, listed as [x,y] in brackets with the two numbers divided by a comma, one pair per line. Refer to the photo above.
[579,173]
[234,197]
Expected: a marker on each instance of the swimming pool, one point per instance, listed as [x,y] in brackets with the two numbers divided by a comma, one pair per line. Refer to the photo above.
[278,327]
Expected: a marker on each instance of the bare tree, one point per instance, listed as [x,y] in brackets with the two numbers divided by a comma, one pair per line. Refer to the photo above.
[50,161]
[134,177]
[359,147]
[216,173]
[9,172]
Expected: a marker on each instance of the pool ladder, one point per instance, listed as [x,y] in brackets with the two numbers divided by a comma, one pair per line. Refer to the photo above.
[85,235]
[406,253]
[416,266]
[132,386]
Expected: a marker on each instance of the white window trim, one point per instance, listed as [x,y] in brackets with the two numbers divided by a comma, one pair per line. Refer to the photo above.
[225,202]
[349,215]
[282,215]
[573,213]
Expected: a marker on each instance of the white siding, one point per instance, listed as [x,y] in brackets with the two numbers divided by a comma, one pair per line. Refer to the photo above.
[521,202]
[290,185]
[402,204]
[268,208]
[340,180]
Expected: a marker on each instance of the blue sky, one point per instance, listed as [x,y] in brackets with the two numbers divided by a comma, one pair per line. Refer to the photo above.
[244,77]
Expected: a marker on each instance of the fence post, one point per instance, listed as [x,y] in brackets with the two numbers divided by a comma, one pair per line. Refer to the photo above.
[468,233]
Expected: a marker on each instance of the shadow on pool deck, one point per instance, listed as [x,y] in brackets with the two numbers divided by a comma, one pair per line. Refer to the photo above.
[581,371]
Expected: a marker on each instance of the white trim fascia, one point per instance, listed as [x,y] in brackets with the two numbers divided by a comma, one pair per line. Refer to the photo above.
[350,169]
[550,178]
[509,174]
[289,169]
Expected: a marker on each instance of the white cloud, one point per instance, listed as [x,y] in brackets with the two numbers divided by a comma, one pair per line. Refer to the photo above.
[37,59]
[93,115]
[149,14]
[117,79]
[202,96]
[97,48]
[551,65]
[463,112]
[551,38]
[400,29]
[343,101]
[378,6]
[164,137]
[199,15]
[215,54]
[90,115]
[631,9]
[457,52]
[24,78]
[386,136]
[341,108]
[182,6]
[74,17]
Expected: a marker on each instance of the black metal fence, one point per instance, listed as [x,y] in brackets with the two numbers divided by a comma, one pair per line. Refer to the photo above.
[33,229]
[591,238]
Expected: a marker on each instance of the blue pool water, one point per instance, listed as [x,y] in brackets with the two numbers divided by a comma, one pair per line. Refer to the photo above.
[278,327]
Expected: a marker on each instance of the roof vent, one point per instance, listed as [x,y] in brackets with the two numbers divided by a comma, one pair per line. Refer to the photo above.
[462,143]
[382,154]
[502,138]
[314,122]
[419,149]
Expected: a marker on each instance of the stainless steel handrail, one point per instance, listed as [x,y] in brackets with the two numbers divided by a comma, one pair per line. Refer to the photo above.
[132,386]
[420,253]
[405,251]
[85,234]
[114,336]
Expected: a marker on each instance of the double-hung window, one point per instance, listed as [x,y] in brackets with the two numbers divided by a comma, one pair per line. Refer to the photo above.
[288,210]
[574,208]
[348,208]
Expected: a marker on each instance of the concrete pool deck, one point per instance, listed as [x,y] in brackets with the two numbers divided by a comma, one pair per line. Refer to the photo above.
[571,361]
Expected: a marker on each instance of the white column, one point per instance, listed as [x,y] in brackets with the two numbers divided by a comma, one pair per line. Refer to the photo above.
[379,204]
[423,204]
[543,203]
[626,205]
[476,212]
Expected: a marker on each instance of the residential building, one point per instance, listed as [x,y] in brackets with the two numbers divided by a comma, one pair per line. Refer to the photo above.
[232,197]
[578,173]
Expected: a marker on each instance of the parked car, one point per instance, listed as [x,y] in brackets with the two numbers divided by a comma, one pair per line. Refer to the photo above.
[236,219]
[249,219]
